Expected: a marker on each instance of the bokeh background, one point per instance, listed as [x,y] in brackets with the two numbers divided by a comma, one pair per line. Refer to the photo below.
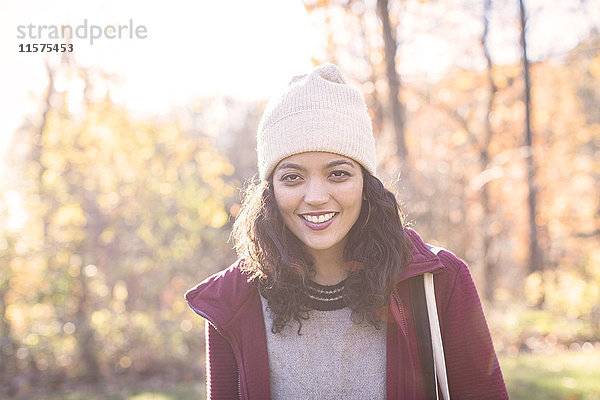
[121,166]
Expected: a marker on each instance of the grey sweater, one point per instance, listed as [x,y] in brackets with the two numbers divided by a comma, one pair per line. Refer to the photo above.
[333,358]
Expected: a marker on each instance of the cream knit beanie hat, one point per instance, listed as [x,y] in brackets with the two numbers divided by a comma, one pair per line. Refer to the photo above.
[318,111]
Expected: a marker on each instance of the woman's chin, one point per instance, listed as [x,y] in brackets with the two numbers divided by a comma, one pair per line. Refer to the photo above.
[321,245]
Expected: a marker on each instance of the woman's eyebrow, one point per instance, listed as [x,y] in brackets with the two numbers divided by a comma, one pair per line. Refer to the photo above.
[335,163]
[289,165]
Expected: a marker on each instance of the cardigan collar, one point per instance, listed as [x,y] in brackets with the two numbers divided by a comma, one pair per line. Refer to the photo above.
[423,260]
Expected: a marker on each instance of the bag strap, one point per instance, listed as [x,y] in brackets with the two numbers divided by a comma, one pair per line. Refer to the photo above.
[436,337]
[429,337]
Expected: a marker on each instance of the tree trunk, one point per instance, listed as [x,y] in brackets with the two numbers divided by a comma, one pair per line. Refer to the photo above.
[86,340]
[534,253]
[489,267]
[397,108]
[8,364]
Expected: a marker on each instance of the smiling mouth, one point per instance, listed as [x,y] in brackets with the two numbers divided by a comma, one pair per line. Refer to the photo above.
[318,219]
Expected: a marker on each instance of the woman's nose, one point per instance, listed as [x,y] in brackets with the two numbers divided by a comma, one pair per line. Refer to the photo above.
[316,192]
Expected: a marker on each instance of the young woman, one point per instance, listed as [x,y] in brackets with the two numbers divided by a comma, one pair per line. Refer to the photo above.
[319,306]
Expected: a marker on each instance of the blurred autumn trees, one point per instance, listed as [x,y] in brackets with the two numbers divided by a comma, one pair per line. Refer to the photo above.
[110,218]
[123,216]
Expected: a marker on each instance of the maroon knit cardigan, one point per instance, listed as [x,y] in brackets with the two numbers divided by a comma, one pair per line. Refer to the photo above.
[237,363]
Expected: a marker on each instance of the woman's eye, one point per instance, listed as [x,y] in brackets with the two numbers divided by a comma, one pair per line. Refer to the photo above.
[340,174]
[290,178]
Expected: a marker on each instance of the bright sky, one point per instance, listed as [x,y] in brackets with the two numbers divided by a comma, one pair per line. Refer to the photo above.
[193,49]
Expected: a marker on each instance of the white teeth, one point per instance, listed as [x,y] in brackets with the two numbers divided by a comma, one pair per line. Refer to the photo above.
[318,219]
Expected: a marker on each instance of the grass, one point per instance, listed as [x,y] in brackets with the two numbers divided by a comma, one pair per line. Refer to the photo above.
[178,391]
[558,376]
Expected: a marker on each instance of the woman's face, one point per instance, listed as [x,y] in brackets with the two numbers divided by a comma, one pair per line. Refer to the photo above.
[319,196]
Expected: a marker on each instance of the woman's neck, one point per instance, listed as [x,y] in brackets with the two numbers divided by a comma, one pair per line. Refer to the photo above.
[328,267]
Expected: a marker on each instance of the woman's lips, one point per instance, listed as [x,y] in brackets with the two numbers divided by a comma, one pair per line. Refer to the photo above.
[318,226]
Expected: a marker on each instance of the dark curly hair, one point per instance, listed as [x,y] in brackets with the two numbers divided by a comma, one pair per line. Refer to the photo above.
[376,251]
